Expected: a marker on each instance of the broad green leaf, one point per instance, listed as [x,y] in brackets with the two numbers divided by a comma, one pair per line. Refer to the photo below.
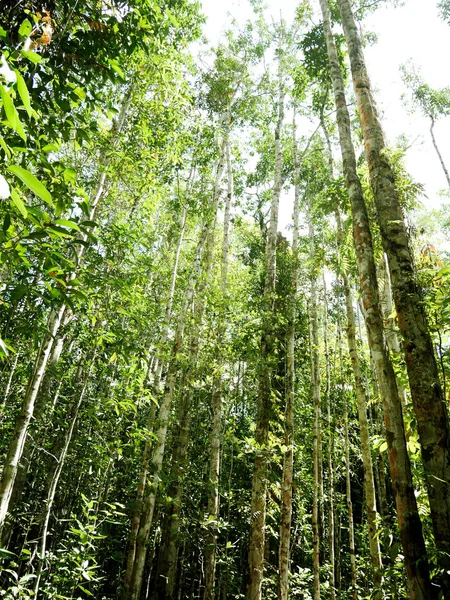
[115,65]
[23,93]
[80,93]
[32,182]
[11,113]
[33,56]
[50,148]
[70,175]
[19,203]
[25,29]
[66,223]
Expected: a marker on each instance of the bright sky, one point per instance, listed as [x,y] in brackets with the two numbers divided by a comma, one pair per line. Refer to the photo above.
[413,31]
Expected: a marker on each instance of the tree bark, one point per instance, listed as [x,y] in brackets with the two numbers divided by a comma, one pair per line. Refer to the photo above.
[57,474]
[264,409]
[362,401]
[410,526]
[17,443]
[426,393]
[288,458]
[134,587]
[216,400]
[348,493]
[154,385]
[315,386]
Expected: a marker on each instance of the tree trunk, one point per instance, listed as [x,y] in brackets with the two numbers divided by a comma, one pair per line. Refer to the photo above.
[57,474]
[155,385]
[315,385]
[426,393]
[17,443]
[330,450]
[264,411]
[216,401]
[369,485]
[148,507]
[441,160]
[288,458]
[348,492]
[410,526]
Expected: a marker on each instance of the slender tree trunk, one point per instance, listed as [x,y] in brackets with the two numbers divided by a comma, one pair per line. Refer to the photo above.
[168,559]
[315,385]
[216,429]
[348,491]
[168,553]
[56,475]
[330,450]
[155,385]
[390,321]
[426,393]
[9,382]
[288,458]
[17,442]
[441,160]
[369,483]
[264,411]
[148,507]
[410,526]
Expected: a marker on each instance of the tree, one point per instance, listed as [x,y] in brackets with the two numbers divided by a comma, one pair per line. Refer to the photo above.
[433,104]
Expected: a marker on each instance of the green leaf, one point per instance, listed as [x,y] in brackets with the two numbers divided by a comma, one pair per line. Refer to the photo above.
[83,589]
[383,447]
[23,92]
[32,182]
[3,352]
[70,175]
[115,65]
[80,93]
[33,56]
[66,223]
[5,147]
[11,113]
[19,203]
[50,148]
[25,29]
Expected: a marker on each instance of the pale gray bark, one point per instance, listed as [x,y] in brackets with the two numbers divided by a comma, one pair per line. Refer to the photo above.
[216,401]
[441,160]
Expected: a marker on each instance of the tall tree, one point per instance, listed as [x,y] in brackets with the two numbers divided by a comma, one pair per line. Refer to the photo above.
[429,404]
